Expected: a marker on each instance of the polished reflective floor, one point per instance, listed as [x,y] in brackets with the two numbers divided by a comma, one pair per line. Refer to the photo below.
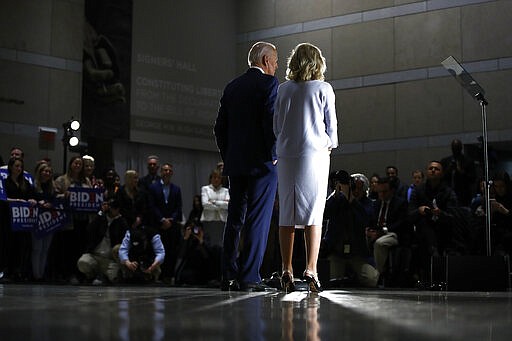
[46,312]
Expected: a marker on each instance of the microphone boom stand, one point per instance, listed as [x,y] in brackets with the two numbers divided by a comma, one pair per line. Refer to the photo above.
[483,104]
[476,91]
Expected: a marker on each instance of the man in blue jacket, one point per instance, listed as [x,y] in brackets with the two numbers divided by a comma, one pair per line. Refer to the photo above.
[246,142]
[165,205]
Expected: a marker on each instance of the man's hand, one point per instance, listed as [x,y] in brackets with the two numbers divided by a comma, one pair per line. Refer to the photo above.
[424,210]
[132,266]
[498,207]
[372,234]
[199,235]
[166,224]
[152,267]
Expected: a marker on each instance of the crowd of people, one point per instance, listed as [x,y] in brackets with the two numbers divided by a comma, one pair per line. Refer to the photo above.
[137,234]
[388,235]
[274,179]
[376,230]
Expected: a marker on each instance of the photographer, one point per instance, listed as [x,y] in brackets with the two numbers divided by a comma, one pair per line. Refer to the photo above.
[141,253]
[344,242]
[390,227]
[104,233]
[197,262]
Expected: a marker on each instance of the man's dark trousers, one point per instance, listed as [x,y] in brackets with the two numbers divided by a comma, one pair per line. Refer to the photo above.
[250,208]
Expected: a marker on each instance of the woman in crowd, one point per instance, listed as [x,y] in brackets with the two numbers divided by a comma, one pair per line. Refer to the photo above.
[45,195]
[110,183]
[132,199]
[305,125]
[17,188]
[70,241]
[372,191]
[214,199]
[197,209]
[89,167]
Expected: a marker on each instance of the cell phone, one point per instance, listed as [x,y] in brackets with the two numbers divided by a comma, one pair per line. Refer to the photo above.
[195,230]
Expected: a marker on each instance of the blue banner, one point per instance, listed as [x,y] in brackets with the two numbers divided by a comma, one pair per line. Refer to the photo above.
[24,216]
[50,220]
[4,174]
[3,195]
[85,199]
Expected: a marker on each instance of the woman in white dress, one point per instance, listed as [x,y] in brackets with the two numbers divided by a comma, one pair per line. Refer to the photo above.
[306,126]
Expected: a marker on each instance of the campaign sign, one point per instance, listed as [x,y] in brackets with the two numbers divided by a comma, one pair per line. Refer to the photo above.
[50,220]
[85,199]
[23,216]
[4,174]
[3,195]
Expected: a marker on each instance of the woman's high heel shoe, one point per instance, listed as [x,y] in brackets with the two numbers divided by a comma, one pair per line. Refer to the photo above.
[312,281]
[287,282]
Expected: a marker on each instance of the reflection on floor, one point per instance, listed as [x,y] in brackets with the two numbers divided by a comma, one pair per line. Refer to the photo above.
[45,312]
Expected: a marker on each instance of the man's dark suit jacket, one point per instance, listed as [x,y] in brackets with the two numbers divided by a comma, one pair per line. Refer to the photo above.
[246,149]
[397,216]
[160,209]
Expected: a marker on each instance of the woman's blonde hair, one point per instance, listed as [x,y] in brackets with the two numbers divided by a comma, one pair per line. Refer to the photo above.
[130,174]
[37,181]
[306,63]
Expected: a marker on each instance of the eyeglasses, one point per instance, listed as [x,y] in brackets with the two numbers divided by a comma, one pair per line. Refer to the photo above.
[434,168]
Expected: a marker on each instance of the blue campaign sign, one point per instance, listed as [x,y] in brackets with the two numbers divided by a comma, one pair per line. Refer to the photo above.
[85,199]
[50,220]
[24,216]
[3,195]
[4,173]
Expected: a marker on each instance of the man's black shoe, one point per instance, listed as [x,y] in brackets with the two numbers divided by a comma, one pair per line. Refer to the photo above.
[229,285]
[256,287]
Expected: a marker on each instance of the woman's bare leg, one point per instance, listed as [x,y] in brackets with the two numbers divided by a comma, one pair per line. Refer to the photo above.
[286,238]
[312,237]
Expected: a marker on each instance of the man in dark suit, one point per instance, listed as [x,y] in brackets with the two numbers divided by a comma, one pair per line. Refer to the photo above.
[431,210]
[166,214]
[152,176]
[246,142]
[391,227]
[401,189]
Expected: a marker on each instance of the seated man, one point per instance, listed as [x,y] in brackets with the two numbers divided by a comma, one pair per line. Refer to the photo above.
[141,253]
[103,234]
[431,209]
[344,242]
[390,222]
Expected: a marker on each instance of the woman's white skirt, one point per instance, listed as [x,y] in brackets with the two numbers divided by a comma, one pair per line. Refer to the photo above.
[302,189]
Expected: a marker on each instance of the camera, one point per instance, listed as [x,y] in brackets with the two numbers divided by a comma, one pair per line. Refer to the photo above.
[140,274]
[342,177]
